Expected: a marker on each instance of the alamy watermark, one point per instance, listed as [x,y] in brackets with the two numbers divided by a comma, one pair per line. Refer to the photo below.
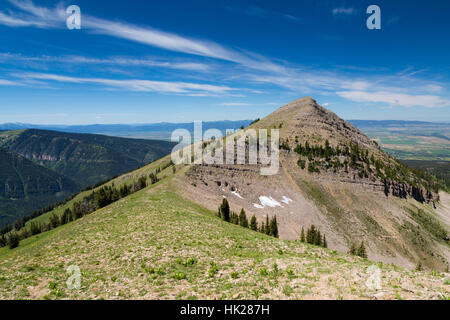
[373,282]
[74,280]
[374,21]
[250,146]
[73,20]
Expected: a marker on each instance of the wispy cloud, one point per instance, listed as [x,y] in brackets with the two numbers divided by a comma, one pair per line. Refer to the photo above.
[115,61]
[54,18]
[135,84]
[396,99]
[401,89]
[33,16]
[9,83]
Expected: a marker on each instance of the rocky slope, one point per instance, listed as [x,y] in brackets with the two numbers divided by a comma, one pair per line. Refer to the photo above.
[336,178]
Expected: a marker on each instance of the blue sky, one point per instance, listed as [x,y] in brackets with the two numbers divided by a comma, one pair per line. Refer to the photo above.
[151,61]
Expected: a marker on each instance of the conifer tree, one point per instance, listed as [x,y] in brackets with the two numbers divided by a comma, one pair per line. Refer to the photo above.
[353,250]
[362,251]
[263,228]
[142,183]
[274,227]
[54,221]
[302,235]
[253,224]
[317,238]
[13,241]
[324,243]
[35,228]
[234,218]
[243,219]
[267,231]
[225,210]
[153,178]
[3,241]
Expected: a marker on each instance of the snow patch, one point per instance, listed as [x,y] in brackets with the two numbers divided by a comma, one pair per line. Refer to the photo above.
[236,194]
[269,202]
[258,206]
[286,200]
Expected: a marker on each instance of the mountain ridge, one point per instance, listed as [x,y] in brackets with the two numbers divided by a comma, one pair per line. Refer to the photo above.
[326,186]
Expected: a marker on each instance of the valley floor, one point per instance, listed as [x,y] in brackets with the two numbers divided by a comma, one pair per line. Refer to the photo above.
[156,245]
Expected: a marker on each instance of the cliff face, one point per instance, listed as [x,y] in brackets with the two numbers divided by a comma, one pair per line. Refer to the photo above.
[26,186]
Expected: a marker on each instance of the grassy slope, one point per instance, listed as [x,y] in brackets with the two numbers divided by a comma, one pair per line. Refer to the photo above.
[135,247]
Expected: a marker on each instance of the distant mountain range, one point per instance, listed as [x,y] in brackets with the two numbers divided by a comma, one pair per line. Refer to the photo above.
[162,131]
[41,167]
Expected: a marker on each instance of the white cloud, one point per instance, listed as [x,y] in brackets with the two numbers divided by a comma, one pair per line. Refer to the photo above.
[396,99]
[8,83]
[33,16]
[402,89]
[136,85]
[55,18]
[116,61]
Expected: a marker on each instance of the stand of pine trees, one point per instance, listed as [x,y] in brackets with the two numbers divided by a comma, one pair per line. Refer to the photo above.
[270,227]
[95,201]
[358,251]
[313,236]
[397,177]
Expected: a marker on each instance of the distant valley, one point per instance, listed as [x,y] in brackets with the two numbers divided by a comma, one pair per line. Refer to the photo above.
[41,167]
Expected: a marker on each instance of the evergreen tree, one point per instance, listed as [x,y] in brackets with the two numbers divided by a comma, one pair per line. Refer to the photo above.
[302,235]
[274,227]
[225,210]
[253,224]
[153,178]
[324,243]
[14,240]
[308,235]
[234,218]
[35,228]
[124,191]
[317,238]
[353,250]
[243,219]
[362,251]
[311,235]
[267,230]
[3,241]
[54,221]
[66,217]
